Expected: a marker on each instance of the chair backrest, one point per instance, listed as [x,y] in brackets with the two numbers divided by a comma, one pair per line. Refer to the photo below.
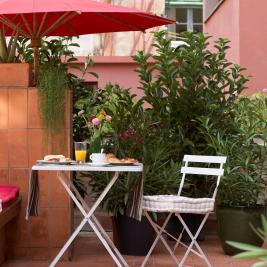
[187,169]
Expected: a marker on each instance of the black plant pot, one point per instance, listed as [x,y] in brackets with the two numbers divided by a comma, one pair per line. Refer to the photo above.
[174,227]
[132,237]
[234,224]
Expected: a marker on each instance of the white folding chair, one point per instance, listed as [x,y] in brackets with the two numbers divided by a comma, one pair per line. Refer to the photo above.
[177,204]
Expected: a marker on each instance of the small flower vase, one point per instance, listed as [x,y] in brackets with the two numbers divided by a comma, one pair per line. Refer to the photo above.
[95,143]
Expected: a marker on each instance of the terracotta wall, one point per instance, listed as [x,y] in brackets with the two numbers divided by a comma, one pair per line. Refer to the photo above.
[242,21]
[22,142]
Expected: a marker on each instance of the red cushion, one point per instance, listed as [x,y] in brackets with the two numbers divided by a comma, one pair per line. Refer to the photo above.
[8,194]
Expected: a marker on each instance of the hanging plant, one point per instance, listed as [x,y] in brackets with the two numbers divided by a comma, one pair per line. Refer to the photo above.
[52,94]
[54,57]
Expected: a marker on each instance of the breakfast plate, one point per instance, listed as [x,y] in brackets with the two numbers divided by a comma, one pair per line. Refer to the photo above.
[123,163]
[41,161]
[97,164]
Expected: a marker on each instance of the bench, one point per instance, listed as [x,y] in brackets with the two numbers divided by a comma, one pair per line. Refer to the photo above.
[9,209]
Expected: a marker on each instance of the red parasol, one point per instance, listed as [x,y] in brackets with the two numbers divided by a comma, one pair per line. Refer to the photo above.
[38,18]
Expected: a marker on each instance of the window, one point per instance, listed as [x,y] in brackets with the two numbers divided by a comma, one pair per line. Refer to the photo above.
[188,15]
[189,19]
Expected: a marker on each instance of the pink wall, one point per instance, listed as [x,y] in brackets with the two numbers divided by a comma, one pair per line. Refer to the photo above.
[243,21]
[253,42]
[113,69]
[225,23]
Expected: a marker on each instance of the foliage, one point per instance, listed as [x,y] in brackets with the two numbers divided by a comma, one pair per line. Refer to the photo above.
[56,51]
[82,96]
[187,83]
[8,50]
[253,252]
[243,178]
[189,106]
[132,136]
[161,177]
[251,114]
[53,82]
[52,92]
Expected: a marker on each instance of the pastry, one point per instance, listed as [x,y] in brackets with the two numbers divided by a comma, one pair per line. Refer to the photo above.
[130,160]
[54,157]
[111,158]
[64,159]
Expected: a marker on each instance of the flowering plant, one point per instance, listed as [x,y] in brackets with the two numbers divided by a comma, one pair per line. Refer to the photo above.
[98,125]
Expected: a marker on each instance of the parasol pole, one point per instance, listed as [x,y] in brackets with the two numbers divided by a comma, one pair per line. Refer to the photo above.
[35,44]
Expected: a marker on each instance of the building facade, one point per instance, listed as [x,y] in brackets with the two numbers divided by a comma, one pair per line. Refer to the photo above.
[122,43]
[242,22]
[112,51]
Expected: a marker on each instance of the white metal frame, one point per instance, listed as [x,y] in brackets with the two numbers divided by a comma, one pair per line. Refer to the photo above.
[86,211]
[160,230]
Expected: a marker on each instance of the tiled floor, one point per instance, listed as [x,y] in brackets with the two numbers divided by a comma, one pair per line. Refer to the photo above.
[90,253]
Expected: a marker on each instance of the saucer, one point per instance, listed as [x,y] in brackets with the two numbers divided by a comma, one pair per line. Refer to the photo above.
[98,164]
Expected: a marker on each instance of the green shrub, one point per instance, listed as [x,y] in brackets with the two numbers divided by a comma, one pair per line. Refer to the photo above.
[191,95]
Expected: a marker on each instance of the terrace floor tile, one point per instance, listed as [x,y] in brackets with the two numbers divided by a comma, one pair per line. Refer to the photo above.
[89,252]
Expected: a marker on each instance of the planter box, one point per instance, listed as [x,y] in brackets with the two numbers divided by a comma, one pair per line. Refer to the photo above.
[15,74]
[132,237]
[234,224]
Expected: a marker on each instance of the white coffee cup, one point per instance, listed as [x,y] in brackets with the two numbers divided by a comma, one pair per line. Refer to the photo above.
[98,158]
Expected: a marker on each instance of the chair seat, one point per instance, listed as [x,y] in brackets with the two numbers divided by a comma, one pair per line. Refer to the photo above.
[8,194]
[173,203]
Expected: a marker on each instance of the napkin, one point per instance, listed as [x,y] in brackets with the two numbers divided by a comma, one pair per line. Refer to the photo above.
[33,195]
[134,206]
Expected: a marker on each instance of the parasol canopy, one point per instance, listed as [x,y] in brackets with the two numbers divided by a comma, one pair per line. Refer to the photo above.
[38,18]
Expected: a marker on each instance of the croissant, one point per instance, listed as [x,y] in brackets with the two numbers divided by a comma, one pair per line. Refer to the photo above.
[54,157]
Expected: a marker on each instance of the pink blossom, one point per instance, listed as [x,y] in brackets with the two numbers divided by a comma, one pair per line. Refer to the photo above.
[139,139]
[264,90]
[96,121]
[123,136]
[81,112]
[131,132]
[108,118]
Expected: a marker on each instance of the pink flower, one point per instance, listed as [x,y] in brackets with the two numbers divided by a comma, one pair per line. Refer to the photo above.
[96,121]
[131,132]
[264,90]
[81,112]
[123,136]
[139,139]
[108,118]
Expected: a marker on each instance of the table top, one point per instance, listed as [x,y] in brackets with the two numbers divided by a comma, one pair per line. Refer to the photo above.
[86,167]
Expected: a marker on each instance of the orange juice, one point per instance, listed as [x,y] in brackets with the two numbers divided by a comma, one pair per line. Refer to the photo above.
[80,155]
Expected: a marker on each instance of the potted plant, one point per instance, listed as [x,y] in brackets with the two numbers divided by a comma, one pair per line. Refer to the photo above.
[253,252]
[239,203]
[183,85]
[132,136]
[12,73]
[54,83]
[179,86]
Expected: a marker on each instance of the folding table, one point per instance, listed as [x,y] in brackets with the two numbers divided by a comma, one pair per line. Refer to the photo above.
[62,171]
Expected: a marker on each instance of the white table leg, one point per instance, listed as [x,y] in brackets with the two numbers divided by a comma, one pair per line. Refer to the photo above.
[87,217]
[95,221]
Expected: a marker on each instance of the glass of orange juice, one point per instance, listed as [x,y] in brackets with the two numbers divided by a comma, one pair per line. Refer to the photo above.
[80,151]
